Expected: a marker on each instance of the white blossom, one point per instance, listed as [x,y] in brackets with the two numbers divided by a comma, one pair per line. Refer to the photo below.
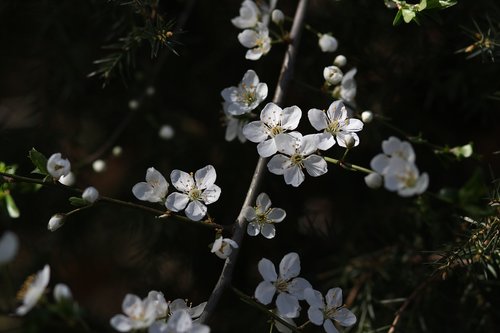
[193,311]
[62,293]
[278,17]
[32,290]
[195,193]
[247,96]
[273,121]
[324,311]
[223,247]
[160,304]
[179,322]
[154,189]
[335,125]
[90,194]
[289,287]
[56,221]
[340,60]
[327,43]
[139,314]
[257,41]
[367,116]
[332,74]
[249,15]
[262,217]
[373,180]
[296,153]
[58,166]
[9,243]
[348,87]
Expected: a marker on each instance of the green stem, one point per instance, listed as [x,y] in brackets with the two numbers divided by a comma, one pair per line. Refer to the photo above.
[347,166]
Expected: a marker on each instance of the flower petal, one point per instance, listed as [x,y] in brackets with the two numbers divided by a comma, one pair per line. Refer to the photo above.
[291,117]
[344,317]
[267,148]
[205,177]
[248,38]
[211,194]
[315,316]
[271,115]
[253,229]
[268,231]
[255,131]
[267,270]
[121,323]
[329,327]
[181,180]
[263,202]
[314,298]
[276,215]
[195,210]
[318,119]
[288,305]
[264,292]
[315,165]
[132,305]
[249,213]
[290,266]
[334,297]
[176,201]
[278,164]
[297,286]
[143,191]
[293,176]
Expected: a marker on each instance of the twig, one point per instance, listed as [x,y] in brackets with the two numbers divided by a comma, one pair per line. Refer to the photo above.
[283,82]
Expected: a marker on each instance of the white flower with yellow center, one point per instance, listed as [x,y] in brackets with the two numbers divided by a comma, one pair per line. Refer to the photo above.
[32,290]
[249,15]
[58,166]
[257,41]
[139,314]
[223,247]
[154,189]
[262,217]
[195,193]
[247,96]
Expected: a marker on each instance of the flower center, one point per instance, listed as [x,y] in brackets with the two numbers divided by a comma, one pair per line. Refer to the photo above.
[194,194]
[281,285]
[329,312]
[333,127]
[262,217]
[25,287]
[275,131]
[297,159]
[248,97]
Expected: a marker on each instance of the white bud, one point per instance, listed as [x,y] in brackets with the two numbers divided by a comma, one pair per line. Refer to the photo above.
[58,166]
[333,75]
[327,43]
[150,91]
[56,221]
[133,104]
[99,166]
[9,243]
[340,60]
[373,180]
[166,132]
[68,180]
[367,116]
[349,141]
[90,194]
[117,151]
[278,17]
[62,293]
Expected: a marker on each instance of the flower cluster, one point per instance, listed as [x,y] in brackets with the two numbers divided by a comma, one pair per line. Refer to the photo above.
[398,169]
[156,315]
[291,289]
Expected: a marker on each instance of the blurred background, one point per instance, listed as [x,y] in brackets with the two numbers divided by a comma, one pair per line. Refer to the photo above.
[378,247]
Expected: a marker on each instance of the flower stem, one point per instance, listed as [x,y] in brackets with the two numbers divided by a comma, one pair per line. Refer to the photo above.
[347,166]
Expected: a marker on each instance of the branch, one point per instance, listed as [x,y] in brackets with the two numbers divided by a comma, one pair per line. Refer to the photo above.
[239,231]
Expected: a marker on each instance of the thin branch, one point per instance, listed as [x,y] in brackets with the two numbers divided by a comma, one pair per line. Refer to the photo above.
[239,231]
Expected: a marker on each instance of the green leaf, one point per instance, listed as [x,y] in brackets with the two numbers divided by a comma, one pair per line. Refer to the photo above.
[11,207]
[39,161]
[77,201]
[397,18]
[462,151]
[422,5]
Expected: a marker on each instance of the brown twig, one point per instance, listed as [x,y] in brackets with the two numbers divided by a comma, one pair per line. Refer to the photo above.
[239,231]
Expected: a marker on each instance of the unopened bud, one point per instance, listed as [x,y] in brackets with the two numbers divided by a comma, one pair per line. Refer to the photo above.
[349,141]
[327,43]
[373,180]
[99,165]
[62,293]
[90,194]
[67,180]
[278,17]
[56,221]
[340,60]
[367,116]
[333,75]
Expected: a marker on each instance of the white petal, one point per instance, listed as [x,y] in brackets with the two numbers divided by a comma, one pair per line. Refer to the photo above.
[271,115]
[157,181]
[250,79]
[297,286]
[249,213]
[253,229]
[318,119]
[276,215]
[217,245]
[176,201]
[315,316]
[205,177]
[253,54]
[211,194]
[261,91]
[288,305]
[143,191]
[344,317]
[158,327]
[199,328]
[268,231]
[329,327]
[264,292]
[181,180]
[267,148]
[314,298]
[293,176]
[337,111]
[62,292]
[121,323]
[229,94]
[291,117]
[379,163]
[278,164]
[263,202]
[309,144]
[267,270]
[255,131]
[422,183]
[180,321]
[315,165]
[132,305]
[325,140]
[290,266]
[334,297]
[287,143]
[353,125]
[196,311]
[195,210]
[248,38]
[342,138]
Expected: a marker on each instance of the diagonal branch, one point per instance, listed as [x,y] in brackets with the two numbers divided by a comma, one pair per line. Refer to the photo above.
[240,225]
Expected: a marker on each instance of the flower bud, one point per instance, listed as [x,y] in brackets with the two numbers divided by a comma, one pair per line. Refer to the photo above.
[166,132]
[67,180]
[327,43]
[58,166]
[349,140]
[56,221]
[340,60]
[99,166]
[332,74]
[62,293]
[90,195]
[278,17]
[367,116]
[373,180]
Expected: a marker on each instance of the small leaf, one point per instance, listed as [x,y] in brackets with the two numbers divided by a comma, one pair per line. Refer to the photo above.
[39,161]
[77,201]
[11,207]
[397,18]
[422,5]
[462,151]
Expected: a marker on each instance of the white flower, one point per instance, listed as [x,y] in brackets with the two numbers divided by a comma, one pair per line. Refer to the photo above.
[348,87]
[67,180]
[166,132]
[90,194]
[179,322]
[196,192]
[289,287]
[32,290]
[9,243]
[247,96]
[393,147]
[56,221]
[297,154]
[340,60]
[160,304]
[367,116]
[273,121]
[332,74]
[58,166]
[140,314]
[180,304]
[249,15]
[223,247]
[62,293]
[278,17]
[373,180]
[324,313]
[335,124]
[262,217]
[327,43]
[154,189]
[257,41]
